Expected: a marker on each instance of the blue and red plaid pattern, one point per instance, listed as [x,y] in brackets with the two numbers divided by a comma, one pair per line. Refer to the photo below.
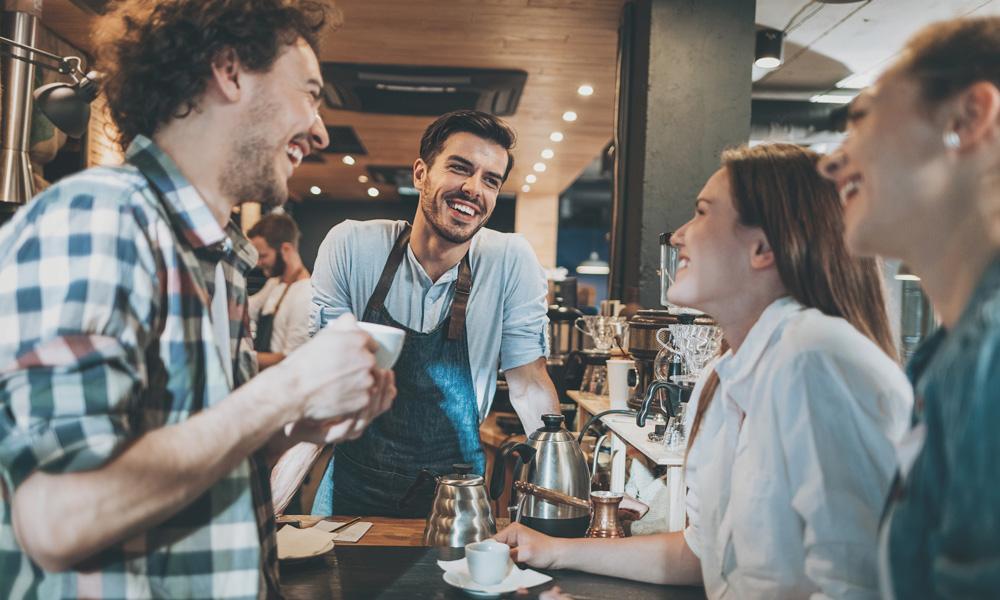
[105,334]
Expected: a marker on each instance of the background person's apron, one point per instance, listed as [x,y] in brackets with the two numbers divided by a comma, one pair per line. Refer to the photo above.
[265,325]
[433,422]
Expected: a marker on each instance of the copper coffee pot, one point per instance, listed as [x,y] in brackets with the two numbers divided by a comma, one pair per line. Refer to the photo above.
[603,508]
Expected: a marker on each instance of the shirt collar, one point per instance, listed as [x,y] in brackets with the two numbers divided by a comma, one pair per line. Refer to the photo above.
[985,293]
[735,368]
[981,306]
[245,253]
[186,207]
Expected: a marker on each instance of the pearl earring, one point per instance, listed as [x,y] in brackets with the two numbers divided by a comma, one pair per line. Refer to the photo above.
[951,139]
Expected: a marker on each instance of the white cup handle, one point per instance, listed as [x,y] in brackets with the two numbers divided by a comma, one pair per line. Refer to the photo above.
[576,324]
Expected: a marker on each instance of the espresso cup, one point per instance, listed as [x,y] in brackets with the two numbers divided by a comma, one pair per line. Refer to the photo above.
[489,561]
[389,340]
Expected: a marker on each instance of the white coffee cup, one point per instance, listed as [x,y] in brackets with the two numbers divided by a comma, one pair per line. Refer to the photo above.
[618,388]
[390,342]
[489,561]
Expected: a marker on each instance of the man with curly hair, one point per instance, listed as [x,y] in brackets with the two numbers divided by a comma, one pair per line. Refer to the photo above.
[134,446]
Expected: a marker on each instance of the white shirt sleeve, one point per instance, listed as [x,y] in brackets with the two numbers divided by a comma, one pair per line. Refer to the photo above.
[331,276]
[834,426]
[692,500]
[525,310]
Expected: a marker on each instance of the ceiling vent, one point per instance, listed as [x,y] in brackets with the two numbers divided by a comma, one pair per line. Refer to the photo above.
[421,91]
[344,140]
[388,175]
[798,113]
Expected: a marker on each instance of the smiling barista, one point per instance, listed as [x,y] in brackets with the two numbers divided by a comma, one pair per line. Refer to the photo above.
[465,295]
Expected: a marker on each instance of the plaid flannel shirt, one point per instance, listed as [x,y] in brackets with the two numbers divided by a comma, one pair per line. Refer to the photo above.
[105,334]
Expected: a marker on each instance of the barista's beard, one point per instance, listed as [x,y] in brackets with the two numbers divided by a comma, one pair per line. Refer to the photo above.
[432,209]
[279,265]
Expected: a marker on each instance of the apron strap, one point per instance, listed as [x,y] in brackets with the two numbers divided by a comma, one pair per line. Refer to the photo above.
[462,289]
[377,299]
[282,297]
[458,305]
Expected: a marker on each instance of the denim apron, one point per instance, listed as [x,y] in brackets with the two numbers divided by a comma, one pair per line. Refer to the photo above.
[433,422]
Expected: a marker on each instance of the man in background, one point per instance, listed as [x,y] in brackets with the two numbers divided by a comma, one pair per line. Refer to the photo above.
[280,310]
[134,445]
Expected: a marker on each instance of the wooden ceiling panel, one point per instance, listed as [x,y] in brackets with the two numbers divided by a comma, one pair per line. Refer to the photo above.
[561,44]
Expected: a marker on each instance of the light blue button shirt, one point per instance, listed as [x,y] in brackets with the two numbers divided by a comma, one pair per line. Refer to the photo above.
[506,316]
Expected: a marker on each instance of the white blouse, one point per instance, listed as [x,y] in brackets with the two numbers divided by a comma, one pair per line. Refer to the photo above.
[789,472]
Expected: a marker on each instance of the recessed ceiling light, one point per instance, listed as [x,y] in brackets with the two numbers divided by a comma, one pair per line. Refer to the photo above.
[373,192]
[556,136]
[363,178]
[526,188]
[348,160]
[315,190]
[548,153]
[569,116]
[530,178]
[539,167]
[585,90]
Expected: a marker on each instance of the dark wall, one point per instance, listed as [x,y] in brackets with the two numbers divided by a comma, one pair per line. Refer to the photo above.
[316,217]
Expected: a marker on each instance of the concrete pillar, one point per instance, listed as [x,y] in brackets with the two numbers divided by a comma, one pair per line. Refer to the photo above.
[536,217]
[685,98]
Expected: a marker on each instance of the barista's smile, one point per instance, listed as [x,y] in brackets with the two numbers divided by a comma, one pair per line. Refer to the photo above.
[464,212]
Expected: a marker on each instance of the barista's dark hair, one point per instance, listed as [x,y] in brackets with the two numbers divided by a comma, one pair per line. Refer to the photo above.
[947,57]
[276,229]
[475,122]
[776,187]
[157,56]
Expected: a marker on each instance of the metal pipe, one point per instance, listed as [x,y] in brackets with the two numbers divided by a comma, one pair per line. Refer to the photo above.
[16,81]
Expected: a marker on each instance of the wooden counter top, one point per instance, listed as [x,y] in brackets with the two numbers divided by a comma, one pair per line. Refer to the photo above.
[358,573]
[406,570]
[385,531]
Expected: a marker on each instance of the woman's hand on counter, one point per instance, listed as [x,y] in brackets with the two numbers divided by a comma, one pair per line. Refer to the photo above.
[529,546]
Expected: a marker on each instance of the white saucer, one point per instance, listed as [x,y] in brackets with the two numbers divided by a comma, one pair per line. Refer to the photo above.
[470,587]
[456,574]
